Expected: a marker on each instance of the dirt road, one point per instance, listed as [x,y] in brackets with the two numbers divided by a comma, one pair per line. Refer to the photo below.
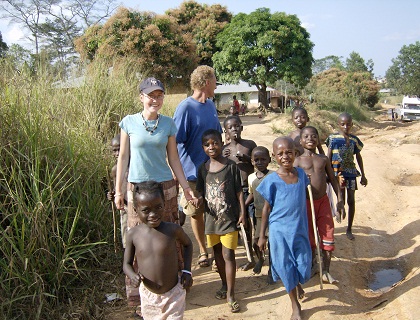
[386,228]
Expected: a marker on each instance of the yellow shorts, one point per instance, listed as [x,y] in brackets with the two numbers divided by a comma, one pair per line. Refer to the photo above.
[228,240]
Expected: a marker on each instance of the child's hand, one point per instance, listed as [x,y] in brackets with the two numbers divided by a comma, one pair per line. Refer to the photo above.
[110,195]
[135,280]
[186,280]
[262,243]
[241,220]
[341,181]
[363,181]
[341,213]
[226,152]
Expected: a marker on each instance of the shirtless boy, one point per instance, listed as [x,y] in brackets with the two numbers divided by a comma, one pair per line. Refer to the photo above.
[239,150]
[300,118]
[153,242]
[317,167]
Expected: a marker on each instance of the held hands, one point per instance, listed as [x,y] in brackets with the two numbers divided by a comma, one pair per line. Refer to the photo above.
[191,198]
[136,279]
[363,181]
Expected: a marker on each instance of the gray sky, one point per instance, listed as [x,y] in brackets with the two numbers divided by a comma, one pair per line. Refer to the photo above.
[376,29]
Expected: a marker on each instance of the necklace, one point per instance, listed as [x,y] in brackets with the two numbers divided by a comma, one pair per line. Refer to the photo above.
[150,129]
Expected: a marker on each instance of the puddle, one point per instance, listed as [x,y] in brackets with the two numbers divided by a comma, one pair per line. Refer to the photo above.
[384,279]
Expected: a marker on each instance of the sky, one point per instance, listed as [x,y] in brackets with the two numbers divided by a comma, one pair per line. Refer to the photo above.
[375,29]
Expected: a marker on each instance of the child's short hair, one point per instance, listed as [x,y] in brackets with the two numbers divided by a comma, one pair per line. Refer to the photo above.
[260,149]
[148,187]
[309,127]
[116,139]
[299,109]
[230,118]
[345,115]
[211,132]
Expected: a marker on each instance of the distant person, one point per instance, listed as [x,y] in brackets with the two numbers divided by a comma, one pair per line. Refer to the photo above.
[300,118]
[392,115]
[237,105]
[243,109]
[284,213]
[219,182]
[192,117]
[342,146]
[260,158]
[153,242]
[239,150]
[318,167]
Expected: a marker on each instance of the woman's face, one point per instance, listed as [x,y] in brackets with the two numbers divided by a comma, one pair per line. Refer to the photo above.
[152,101]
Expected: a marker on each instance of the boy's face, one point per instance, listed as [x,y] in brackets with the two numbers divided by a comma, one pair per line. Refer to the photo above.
[152,101]
[260,160]
[300,119]
[115,148]
[345,125]
[150,208]
[309,139]
[284,153]
[233,128]
[212,146]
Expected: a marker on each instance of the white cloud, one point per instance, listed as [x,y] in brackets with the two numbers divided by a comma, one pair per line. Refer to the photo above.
[13,35]
[409,35]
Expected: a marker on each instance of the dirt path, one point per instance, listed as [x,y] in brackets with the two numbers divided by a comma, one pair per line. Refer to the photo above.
[386,227]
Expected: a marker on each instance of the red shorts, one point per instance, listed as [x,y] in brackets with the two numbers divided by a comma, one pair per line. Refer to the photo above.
[324,223]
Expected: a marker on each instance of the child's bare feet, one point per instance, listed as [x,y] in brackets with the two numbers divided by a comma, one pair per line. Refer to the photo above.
[326,277]
[247,266]
[349,235]
[258,266]
[296,314]
[300,292]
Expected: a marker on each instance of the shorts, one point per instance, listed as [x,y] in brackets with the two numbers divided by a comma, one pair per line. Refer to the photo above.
[258,229]
[324,223]
[168,305]
[188,208]
[228,240]
[351,183]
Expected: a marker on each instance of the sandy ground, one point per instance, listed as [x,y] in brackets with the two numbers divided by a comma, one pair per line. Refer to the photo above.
[386,228]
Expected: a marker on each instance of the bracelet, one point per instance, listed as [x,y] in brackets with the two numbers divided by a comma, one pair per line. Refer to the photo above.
[186,271]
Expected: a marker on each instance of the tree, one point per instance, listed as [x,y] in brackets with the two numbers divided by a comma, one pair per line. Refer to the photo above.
[404,73]
[261,48]
[204,23]
[355,63]
[155,42]
[326,63]
[3,47]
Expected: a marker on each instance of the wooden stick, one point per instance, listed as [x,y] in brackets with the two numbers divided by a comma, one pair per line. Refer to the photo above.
[245,239]
[113,210]
[316,235]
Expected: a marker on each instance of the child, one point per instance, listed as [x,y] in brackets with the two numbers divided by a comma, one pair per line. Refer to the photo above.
[219,181]
[342,146]
[318,167]
[300,118]
[153,242]
[239,150]
[285,213]
[260,158]
[243,108]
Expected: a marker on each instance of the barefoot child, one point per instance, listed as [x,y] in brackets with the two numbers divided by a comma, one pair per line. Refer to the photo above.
[300,118]
[285,213]
[260,158]
[342,146]
[219,181]
[153,242]
[239,150]
[317,167]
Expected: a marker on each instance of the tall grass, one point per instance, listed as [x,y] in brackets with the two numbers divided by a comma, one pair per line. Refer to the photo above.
[53,211]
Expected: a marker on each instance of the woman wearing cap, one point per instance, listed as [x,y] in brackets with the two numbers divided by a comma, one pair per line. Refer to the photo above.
[147,140]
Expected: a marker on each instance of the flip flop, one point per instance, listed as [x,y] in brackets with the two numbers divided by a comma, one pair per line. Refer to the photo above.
[203,262]
[221,294]
[234,306]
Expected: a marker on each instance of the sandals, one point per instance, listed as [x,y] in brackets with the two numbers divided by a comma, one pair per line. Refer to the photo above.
[203,260]
[221,294]
[234,306]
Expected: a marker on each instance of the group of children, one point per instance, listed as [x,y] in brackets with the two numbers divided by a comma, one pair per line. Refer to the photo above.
[236,176]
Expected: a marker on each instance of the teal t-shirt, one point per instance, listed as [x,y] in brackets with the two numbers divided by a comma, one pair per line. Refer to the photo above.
[148,150]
